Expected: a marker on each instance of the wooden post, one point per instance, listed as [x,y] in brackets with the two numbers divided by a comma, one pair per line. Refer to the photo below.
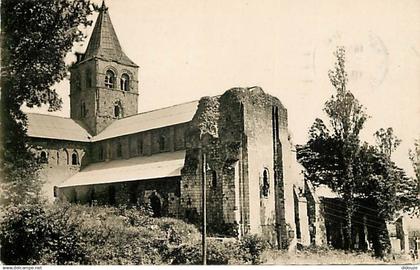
[203,201]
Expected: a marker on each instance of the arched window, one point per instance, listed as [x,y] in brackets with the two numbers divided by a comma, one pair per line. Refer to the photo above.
[118,111]
[44,157]
[88,78]
[74,158]
[265,183]
[162,143]
[213,179]
[119,149]
[125,82]
[109,79]
[67,156]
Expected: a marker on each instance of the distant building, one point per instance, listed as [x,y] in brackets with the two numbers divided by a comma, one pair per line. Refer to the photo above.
[108,153]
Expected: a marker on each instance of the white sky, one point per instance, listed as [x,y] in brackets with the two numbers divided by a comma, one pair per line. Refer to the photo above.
[187,49]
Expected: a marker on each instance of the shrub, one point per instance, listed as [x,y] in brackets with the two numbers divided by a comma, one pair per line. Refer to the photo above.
[251,248]
[77,234]
[36,234]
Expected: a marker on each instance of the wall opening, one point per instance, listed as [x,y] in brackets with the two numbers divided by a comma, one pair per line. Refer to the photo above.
[139,146]
[119,149]
[101,152]
[162,143]
[74,158]
[111,195]
[109,79]
[213,179]
[265,189]
[125,82]
[44,157]
[156,205]
[88,78]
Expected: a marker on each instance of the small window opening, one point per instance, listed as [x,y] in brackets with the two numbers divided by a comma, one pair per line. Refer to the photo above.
[88,79]
[162,143]
[44,157]
[101,152]
[67,156]
[74,159]
[213,179]
[83,110]
[265,184]
[119,150]
[139,146]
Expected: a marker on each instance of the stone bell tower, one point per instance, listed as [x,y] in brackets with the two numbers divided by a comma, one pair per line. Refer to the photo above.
[103,82]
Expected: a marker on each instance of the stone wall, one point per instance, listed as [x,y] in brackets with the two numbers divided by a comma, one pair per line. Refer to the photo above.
[129,193]
[87,85]
[144,143]
[58,165]
[245,154]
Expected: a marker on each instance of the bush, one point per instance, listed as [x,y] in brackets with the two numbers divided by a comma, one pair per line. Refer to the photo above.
[218,253]
[77,234]
[251,248]
[36,234]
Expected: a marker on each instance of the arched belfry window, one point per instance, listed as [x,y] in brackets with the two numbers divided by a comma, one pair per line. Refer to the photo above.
[109,79]
[125,82]
[74,158]
[265,189]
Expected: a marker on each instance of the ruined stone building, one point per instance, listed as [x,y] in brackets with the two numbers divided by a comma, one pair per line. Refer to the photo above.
[108,153]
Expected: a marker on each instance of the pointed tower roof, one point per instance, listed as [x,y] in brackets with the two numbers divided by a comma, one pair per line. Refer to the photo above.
[104,42]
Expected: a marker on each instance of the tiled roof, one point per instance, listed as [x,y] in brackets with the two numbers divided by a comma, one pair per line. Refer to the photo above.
[61,128]
[177,114]
[139,168]
[55,127]
[104,42]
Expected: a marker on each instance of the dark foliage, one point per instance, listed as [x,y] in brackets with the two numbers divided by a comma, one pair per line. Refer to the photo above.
[76,234]
[337,159]
[36,35]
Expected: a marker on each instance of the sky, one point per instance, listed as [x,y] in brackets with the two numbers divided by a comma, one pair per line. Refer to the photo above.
[187,49]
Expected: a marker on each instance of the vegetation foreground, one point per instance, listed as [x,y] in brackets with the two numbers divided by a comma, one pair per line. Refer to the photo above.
[75,234]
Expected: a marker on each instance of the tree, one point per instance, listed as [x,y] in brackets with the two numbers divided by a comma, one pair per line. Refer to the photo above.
[336,158]
[414,155]
[36,36]
[347,117]
[386,141]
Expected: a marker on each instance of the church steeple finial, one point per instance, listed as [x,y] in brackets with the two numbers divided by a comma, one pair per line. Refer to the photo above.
[104,43]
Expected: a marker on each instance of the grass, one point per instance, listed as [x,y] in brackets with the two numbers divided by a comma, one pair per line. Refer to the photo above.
[330,256]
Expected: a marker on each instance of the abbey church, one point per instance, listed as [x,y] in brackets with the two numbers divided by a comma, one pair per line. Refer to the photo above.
[107,153]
